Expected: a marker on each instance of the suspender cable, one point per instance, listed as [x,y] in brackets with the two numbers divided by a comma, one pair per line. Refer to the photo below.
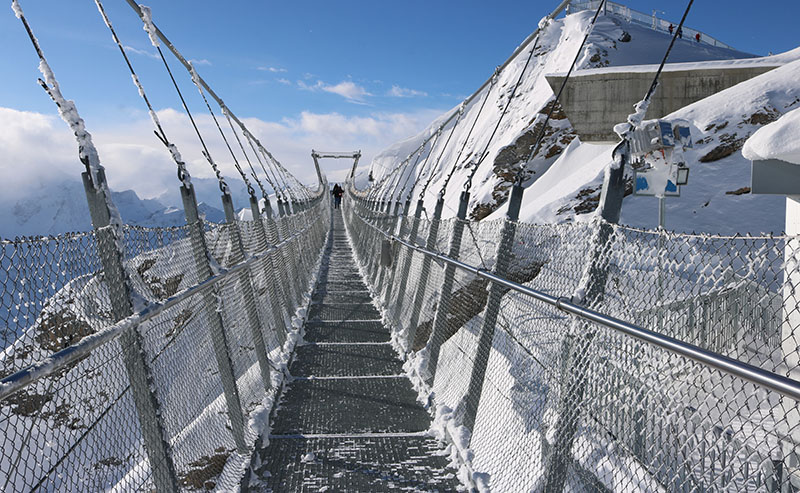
[437,135]
[466,139]
[261,163]
[155,34]
[275,176]
[641,107]
[183,173]
[461,110]
[400,170]
[411,169]
[485,152]
[540,137]
[561,6]
[246,157]
[236,164]
[87,152]
[404,166]
[223,186]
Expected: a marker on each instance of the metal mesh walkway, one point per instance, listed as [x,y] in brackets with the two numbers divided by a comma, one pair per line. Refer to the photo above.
[349,420]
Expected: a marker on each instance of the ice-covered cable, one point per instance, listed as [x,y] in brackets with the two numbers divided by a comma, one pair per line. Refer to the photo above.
[468,183]
[183,173]
[156,34]
[640,109]
[149,27]
[87,151]
[246,157]
[540,137]
[464,144]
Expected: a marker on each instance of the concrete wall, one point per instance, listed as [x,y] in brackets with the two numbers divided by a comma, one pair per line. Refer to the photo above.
[594,103]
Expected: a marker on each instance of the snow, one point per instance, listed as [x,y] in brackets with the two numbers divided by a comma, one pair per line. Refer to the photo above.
[557,46]
[196,80]
[517,414]
[149,27]
[16,8]
[767,61]
[777,140]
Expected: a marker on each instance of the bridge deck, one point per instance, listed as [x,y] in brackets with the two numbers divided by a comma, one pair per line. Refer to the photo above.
[349,420]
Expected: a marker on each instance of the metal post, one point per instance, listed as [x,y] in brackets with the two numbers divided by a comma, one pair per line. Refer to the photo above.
[443,308]
[247,293]
[154,435]
[486,336]
[218,337]
[419,298]
[577,346]
[383,285]
[292,250]
[790,327]
[412,237]
[277,266]
[292,299]
[355,164]
[269,273]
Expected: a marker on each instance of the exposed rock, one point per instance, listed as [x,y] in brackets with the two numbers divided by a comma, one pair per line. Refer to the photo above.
[203,471]
[739,191]
[729,143]
[510,159]
[470,301]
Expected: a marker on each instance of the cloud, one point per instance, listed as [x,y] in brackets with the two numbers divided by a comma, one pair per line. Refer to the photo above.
[39,147]
[137,51]
[274,70]
[201,61]
[402,92]
[285,82]
[349,90]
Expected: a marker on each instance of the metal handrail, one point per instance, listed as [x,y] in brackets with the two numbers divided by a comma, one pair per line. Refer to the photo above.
[81,349]
[639,17]
[759,376]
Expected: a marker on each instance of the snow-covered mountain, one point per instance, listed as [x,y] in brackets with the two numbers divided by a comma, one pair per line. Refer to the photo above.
[56,205]
[564,177]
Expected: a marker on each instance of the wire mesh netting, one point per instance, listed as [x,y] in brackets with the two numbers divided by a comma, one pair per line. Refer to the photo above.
[209,357]
[555,402]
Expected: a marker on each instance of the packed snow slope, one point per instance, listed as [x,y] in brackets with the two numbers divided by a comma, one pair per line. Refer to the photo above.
[564,176]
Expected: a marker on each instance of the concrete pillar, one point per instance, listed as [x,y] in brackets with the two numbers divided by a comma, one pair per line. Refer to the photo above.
[151,423]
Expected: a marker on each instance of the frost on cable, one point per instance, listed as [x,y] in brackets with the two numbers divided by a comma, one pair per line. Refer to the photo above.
[149,27]
[69,113]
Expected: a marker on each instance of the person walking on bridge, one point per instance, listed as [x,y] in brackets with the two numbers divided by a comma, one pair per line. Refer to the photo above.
[337,193]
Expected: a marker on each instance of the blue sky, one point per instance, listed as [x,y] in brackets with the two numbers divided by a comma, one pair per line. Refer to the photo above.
[370,72]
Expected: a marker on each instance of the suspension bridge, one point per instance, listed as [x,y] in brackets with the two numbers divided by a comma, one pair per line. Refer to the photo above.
[378,346]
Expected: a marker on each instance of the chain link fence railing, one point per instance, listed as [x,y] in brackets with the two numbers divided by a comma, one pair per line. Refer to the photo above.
[556,401]
[215,318]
